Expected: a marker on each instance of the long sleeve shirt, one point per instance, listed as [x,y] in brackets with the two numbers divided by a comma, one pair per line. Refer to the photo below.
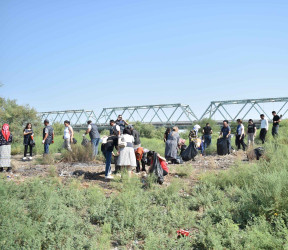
[264,124]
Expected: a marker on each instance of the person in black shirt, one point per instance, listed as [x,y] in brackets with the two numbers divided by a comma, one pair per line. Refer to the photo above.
[112,141]
[207,131]
[276,120]
[251,132]
[28,140]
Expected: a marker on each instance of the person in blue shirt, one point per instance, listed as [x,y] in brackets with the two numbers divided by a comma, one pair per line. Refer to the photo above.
[226,133]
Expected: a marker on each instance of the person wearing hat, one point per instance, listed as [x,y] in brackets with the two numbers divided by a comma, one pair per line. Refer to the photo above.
[121,123]
[48,136]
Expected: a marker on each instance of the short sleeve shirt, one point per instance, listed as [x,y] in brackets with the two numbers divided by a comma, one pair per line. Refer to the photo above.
[225,130]
[251,128]
[276,118]
[112,141]
[207,130]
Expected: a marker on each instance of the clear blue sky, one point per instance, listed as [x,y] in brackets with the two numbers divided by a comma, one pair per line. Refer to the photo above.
[57,55]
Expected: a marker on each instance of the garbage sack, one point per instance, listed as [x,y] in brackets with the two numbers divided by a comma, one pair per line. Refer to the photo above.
[190,152]
[259,152]
[157,169]
[85,142]
[222,146]
[178,160]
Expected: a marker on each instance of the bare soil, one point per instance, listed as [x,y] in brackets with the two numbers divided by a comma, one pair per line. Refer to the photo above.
[94,172]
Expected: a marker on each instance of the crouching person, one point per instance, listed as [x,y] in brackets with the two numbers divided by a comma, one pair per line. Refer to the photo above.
[112,141]
[5,148]
[151,155]
[141,157]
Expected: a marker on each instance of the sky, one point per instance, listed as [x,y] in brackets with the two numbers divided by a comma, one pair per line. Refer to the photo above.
[89,54]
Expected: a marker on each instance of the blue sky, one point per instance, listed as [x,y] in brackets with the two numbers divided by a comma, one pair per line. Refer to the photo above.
[57,55]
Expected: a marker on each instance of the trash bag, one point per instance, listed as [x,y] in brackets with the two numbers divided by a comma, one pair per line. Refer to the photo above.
[85,142]
[157,169]
[183,148]
[178,160]
[190,152]
[222,146]
[259,152]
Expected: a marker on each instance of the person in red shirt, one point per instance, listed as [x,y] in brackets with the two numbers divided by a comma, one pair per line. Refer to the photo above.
[162,161]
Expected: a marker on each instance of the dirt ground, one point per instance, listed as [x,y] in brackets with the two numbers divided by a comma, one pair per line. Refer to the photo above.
[93,173]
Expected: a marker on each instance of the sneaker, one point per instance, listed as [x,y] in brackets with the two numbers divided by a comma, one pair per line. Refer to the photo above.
[30,158]
[109,177]
[24,158]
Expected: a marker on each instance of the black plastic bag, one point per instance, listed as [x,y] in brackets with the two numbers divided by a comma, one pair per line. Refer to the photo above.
[222,146]
[259,152]
[157,169]
[190,152]
[85,142]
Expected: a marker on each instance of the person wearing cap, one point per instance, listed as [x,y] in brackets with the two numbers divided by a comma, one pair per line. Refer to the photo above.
[121,123]
[264,128]
[48,136]
[136,135]
[93,132]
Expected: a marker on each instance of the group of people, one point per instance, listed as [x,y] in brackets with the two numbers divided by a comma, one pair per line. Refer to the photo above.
[125,140]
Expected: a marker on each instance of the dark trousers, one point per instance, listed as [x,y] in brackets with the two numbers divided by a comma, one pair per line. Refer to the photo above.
[263,133]
[138,165]
[46,148]
[275,130]
[207,141]
[26,150]
[240,141]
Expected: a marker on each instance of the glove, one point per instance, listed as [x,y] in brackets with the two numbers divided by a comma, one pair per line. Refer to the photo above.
[83,135]
[52,142]
[43,141]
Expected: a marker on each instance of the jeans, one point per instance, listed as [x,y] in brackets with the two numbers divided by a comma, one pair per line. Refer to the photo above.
[229,145]
[108,163]
[95,143]
[207,141]
[46,148]
[275,130]
[26,149]
[263,133]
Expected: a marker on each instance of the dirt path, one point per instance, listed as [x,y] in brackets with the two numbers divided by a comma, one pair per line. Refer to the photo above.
[93,173]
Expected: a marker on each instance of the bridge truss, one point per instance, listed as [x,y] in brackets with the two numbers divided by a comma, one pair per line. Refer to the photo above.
[165,114]
[246,106]
[76,117]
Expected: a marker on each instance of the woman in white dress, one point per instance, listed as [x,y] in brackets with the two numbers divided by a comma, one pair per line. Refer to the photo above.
[126,157]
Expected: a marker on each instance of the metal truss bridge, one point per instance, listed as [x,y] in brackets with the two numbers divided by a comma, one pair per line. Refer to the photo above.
[171,114]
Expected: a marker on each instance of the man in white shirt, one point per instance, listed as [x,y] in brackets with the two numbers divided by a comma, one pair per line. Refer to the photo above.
[264,128]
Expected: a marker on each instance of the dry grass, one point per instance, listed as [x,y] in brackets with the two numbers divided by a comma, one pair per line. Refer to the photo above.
[79,154]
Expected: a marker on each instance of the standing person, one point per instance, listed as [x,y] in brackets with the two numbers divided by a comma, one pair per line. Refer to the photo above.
[48,136]
[172,145]
[167,132]
[276,121]
[136,135]
[68,136]
[114,128]
[226,133]
[110,143]
[207,132]
[121,123]
[92,130]
[264,128]
[28,140]
[240,134]
[5,148]
[251,132]
[126,157]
